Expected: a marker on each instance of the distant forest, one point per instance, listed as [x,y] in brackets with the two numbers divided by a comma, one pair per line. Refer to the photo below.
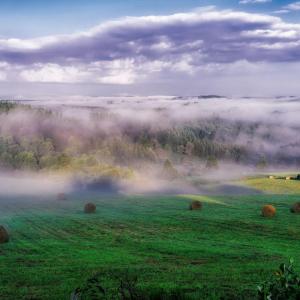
[39,138]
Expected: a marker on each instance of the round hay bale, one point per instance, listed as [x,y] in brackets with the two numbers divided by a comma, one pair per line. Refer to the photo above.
[196,205]
[61,196]
[268,211]
[288,178]
[296,208]
[4,237]
[89,208]
[271,177]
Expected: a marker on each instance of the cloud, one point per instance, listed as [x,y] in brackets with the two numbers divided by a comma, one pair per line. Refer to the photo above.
[254,1]
[134,49]
[53,73]
[281,11]
[293,6]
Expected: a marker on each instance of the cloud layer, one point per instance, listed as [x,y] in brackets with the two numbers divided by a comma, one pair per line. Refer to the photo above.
[131,49]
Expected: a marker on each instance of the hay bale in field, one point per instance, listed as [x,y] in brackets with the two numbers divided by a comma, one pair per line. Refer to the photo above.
[196,205]
[268,211]
[4,237]
[288,178]
[271,177]
[89,208]
[296,208]
[61,196]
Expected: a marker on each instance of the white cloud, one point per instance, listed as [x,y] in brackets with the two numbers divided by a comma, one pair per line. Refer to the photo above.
[254,1]
[293,6]
[53,73]
[281,11]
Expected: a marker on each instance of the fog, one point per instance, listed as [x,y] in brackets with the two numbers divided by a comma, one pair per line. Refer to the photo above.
[102,126]
[31,184]
[277,119]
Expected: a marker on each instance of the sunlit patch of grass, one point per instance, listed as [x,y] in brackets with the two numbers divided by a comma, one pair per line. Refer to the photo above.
[273,186]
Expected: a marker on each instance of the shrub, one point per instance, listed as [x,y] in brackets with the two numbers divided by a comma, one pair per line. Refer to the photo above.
[262,163]
[90,208]
[4,237]
[268,211]
[212,163]
[92,289]
[169,171]
[283,285]
[122,286]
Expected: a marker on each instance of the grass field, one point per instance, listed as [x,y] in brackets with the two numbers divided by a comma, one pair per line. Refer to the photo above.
[277,185]
[225,248]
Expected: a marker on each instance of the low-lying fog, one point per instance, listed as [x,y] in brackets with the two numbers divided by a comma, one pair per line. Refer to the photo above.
[31,184]
[265,128]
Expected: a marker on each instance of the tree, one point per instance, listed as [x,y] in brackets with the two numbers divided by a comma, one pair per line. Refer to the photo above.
[25,160]
[169,170]
[212,163]
[262,163]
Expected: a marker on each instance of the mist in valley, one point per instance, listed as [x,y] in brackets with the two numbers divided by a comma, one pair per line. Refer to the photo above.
[138,145]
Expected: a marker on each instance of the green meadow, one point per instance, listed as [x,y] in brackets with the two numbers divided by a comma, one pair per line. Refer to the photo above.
[226,249]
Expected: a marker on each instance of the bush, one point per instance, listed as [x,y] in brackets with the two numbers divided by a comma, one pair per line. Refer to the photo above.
[169,170]
[122,286]
[283,285]
[212,163]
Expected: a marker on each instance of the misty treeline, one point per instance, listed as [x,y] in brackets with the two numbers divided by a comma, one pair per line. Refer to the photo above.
[107,141]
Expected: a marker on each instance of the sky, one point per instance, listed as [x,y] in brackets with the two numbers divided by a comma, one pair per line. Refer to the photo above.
[149,47]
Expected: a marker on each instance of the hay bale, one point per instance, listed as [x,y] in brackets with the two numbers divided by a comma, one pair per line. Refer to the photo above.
[296,208]
[89,208]
[288,178]
[4,237]
[61,196]
[268,211]
[271,177]
[196,205]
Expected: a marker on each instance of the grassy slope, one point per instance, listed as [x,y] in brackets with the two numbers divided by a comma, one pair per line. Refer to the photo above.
[274,186]
[228,245]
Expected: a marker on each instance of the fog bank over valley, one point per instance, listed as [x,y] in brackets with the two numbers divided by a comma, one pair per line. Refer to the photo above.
[134,144]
